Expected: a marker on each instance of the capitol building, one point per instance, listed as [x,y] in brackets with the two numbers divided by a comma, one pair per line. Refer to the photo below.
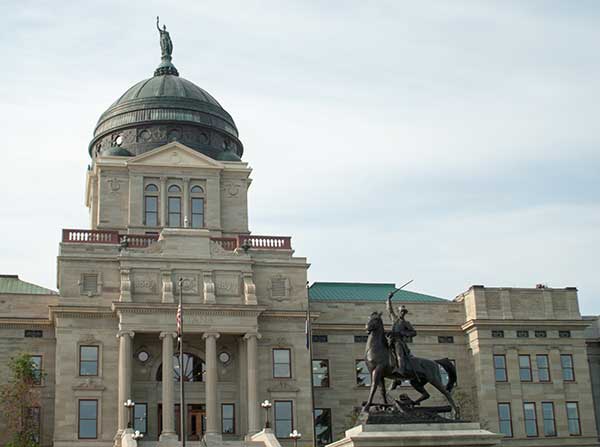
[167,194]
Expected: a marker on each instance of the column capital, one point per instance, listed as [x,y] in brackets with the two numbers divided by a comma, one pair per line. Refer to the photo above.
[122,333]
[167,334]
[216,335]
[249,335]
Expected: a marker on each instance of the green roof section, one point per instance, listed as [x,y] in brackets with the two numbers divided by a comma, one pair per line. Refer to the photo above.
[11,284]
[353,291]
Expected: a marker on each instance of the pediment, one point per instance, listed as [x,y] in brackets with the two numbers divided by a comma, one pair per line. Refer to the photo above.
[175,154]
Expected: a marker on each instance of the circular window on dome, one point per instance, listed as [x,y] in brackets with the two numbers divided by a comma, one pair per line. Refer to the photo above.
[144,135]
[119,140]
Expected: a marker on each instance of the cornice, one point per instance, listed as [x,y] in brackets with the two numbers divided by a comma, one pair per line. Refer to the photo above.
[204,309]
[18,323]
[80,311]
[286,314]
[420,328]
[555,324]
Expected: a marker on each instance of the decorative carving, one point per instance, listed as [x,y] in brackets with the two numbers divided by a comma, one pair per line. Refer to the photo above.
[88,385]
[218,251]
[283,385]
[227,284]
[209,288]
[114,184]
[232,189]
[145,283]
[167,287]
[125,286]
[249,289]
[279,287]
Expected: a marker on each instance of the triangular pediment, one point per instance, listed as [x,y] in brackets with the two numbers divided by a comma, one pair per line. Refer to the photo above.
[175,154]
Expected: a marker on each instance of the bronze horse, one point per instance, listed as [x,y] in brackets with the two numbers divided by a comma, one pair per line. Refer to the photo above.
[421,372]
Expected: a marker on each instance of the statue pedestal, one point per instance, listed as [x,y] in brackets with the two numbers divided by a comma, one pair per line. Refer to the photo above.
[418,435]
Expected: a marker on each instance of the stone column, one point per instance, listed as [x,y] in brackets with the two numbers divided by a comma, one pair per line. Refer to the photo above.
[168,386]
[162,202]
[124,389]
[252,355]
[211,382]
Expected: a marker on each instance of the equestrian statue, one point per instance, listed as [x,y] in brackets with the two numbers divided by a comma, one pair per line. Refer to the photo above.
[393,359]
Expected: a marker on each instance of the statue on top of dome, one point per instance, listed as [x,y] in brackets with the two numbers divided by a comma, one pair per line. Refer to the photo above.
[166,45]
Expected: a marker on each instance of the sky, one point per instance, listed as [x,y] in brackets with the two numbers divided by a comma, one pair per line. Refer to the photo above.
[449,142]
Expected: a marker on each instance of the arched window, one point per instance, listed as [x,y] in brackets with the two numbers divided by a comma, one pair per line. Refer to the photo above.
[151,205]
[197,206]
[174,206]
[193,367]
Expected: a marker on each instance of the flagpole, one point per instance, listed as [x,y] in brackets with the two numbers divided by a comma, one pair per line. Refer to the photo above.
[182,412]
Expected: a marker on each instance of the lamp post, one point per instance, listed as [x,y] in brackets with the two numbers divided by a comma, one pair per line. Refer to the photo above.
[137,435]
[129,404]
[266,405]
[295,436]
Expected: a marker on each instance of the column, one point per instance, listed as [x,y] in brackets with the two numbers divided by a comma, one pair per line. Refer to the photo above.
[168,386]
[124,390]
[252,355]
[162,202]
[211,382]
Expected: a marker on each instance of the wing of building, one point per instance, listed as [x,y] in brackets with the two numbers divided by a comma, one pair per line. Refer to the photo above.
[167,193]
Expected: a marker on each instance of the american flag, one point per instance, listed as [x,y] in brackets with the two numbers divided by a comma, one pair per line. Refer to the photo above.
[179,321]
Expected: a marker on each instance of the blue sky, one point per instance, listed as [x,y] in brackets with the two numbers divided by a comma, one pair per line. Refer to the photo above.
[455,143]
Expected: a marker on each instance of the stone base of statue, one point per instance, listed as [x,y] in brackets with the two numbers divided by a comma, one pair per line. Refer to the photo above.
[418,435]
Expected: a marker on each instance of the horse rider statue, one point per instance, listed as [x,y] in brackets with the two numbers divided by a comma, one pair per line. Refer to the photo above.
[402,332]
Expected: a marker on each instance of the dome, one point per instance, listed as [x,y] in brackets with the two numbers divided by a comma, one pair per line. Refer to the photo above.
[117,151]
[228,156]
[165,108]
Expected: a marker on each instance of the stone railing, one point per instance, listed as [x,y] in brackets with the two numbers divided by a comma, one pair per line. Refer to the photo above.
[139,240]
[255,242]
[108,237]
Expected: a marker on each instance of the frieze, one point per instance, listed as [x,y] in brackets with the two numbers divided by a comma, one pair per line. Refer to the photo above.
[227,284]
[145,283]
[189,284]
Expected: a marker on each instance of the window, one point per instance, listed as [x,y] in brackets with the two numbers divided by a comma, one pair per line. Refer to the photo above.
[282,367]
[284,421]
[88,360]
[151,205]
[193,367]
[443,372]
[174,206]
[445,339]
[36,362]
[564,334]
[227,418]
[89,284]
[530,419]
[566,363]
[540,334]
[29,333]
[360,338]
[363,377]
[522,334]
[88,419]
[548,417]
[320,372]
[500,368]
[573,419]
[543,367]
[197,206]
[498,334]
[33,423]
[505,419]
[525,368]
[323,426]
[319,338]
[140,417]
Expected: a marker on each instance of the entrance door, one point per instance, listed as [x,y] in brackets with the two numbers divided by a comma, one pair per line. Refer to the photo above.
[195,423]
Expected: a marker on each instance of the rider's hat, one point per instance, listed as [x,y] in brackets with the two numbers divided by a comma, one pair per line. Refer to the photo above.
[403,309]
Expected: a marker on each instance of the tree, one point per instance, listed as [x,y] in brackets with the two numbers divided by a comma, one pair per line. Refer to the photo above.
[18,398]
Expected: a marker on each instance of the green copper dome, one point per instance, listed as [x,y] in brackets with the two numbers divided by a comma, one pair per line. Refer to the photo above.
[117,151]
[166,108]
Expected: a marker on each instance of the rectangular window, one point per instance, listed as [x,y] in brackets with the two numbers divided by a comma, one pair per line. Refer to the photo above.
[89,284]
[284,420]
[522,334]
[323,426]
[540,334]
[320,339]
[140,417]
[282,363]
[564,334]
[36,361]
[525,368]
[151,211]
[31,333]
[197,212]
[530,419]
[500,368]
[363,378]
[573,419]
[445,339]
[566,363]
[174,211]
[88,419]
[548,417]
[543,367]
[360,338]
[320,372]
[33,421]
[505,419]
[227,419]
[88,360]
[498,334]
